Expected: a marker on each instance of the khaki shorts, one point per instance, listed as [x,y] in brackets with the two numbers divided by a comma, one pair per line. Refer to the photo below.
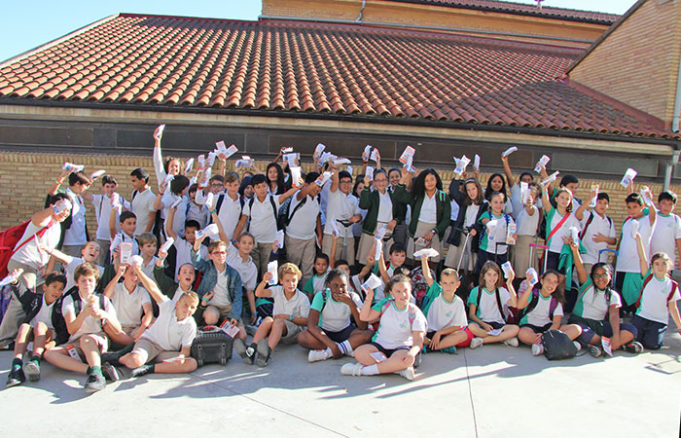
[101,340]
[292,330]
[149,351]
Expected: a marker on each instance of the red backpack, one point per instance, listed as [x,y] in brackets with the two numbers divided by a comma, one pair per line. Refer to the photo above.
[8,241]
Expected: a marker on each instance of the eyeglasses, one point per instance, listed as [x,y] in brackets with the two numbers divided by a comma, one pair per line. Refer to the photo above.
[217,185]
[345,181]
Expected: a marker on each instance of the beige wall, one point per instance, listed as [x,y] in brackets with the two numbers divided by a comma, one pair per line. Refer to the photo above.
[638,63]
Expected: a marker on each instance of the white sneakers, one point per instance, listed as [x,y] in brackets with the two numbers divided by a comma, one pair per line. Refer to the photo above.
[537,349]
[407,373]
[476,342]
[513,342]
[352,369]
[317,355]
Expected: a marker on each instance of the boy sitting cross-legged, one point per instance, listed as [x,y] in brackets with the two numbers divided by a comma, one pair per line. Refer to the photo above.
[41,319]
[445,312]
[87,317]
[289,316]
[166,345]
[132,304]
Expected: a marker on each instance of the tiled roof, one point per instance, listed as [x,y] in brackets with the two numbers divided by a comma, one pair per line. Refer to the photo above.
[523,9]
[317,70]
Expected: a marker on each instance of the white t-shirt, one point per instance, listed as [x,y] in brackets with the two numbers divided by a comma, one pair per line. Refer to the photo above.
[655,299]
[340,206]
[142,205]
[471,215]
[428,213]
[179,219]
[91,325]
[76,234]
[667,230]
[454,213]
[229,214]
[516,201]
[540,315]
[628,259]
[263,222]
[28,254]
[178,294]
[600,225]
[526,224]
[102,205]
[221,297]
[247,270]
[129,305]
[594,304]
[385,207]
[44,315]
[169,333]
[183,253]
[298,305]
[557,242]
[488,311]
[395,330]
[198,213]
[70,269]
[443,314]
[303,223]
[335,316]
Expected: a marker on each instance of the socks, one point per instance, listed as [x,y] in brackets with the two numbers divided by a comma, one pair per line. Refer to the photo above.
[36,359]
[346,348]
[16,363]
[95,370]
[370,370]
[125,350]
[250,351]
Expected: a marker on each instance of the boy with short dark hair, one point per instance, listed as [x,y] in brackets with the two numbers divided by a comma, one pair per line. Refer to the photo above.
[229,205]
[128,225]
[598,231]
[103,205]
[667,235]
[87,317]
[41,322]
[142,201]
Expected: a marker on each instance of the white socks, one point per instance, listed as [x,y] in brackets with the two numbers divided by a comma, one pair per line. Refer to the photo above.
[370,370]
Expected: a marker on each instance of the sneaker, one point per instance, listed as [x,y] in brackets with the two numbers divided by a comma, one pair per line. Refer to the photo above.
[143,370]
[448,350]
[94,383]
[634,347]
[246,353]
[407,373]
[16,377]
[263,354]
[476,342]
[537,349]
[112,358]
[352,369]
[513,342]
[595,351]
[110,372]
[577,345]
[317,355]
[32,370]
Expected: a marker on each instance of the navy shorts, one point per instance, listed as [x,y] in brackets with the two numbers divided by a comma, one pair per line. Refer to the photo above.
[340,336]
[495,325]
[386,351]
[536,328]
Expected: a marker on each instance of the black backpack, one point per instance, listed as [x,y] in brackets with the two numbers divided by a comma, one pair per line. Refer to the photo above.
[557,345]
[500,306]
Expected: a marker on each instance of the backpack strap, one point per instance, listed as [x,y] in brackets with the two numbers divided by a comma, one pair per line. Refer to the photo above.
[325,298]
[645,283]
[134,193]
[586,225]
[295,209]
[534,300]
[675,287]
[412,315]
[499,305]
[274,210]
[40,233]
[553,304]
[221,198]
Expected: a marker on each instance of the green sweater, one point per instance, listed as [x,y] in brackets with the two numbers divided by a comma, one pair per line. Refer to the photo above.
[369,201]
[442,203]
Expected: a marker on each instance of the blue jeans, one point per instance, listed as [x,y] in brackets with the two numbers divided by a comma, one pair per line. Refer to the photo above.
[650,333]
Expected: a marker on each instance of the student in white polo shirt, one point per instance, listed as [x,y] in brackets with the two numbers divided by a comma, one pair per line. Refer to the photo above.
[342,211]
[598,231]
[228,205]
[261,211]
[74,229]
[667,235]
[142,201]
[103,207]
[304,225]
[132,304]
[174,195]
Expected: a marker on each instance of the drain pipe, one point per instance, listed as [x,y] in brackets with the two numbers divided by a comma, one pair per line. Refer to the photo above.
[676,119]
[364,5]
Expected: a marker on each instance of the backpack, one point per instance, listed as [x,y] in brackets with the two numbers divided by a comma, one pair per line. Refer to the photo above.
[534,300]
[675,286]
[588,222]
[277,218]
[8,241]
[557,345]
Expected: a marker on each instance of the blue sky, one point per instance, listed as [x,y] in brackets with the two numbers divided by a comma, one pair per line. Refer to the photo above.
[27,24]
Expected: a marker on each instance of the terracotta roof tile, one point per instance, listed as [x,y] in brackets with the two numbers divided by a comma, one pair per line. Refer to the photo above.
[345,70]
[523,9]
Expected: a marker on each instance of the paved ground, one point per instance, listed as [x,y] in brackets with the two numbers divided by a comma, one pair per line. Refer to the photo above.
[490,392]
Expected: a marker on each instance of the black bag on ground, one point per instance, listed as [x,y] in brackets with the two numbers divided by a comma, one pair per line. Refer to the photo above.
[211,345]
[557,345]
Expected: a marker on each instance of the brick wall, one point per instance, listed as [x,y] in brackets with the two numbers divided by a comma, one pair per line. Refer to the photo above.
[25,179]
[638,62]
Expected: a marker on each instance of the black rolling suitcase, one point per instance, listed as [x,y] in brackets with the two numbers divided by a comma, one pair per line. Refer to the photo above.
[212,345]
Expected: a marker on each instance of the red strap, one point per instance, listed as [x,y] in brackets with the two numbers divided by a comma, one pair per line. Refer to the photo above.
[560,224]
[645,283]
[675,286]
[38,233]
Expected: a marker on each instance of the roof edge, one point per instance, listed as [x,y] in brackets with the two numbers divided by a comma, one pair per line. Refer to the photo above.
[56,41]
[605,34]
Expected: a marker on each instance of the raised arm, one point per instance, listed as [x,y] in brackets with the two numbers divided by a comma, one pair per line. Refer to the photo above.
[169,223]
[149,284]
[582,275]
[426,271]
[643,258]
[507,171]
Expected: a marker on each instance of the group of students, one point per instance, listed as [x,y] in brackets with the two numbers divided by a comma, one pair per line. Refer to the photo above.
[231,250]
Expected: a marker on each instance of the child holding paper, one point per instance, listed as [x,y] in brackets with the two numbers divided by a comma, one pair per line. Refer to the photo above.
[542,310]
[488,306]
[515,186]
[318,280]
[342,212]
[132,304]
[667,235]
[472,205]
[289,317]
[399,338]
[496,233]
[641,221]
[559,220]
[445,312]
[330,332]
[173,197]
[304,225]
[597,310]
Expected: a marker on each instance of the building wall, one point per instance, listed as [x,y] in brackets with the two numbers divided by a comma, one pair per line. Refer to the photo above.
[26,177]
[638,63]
[421,15]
